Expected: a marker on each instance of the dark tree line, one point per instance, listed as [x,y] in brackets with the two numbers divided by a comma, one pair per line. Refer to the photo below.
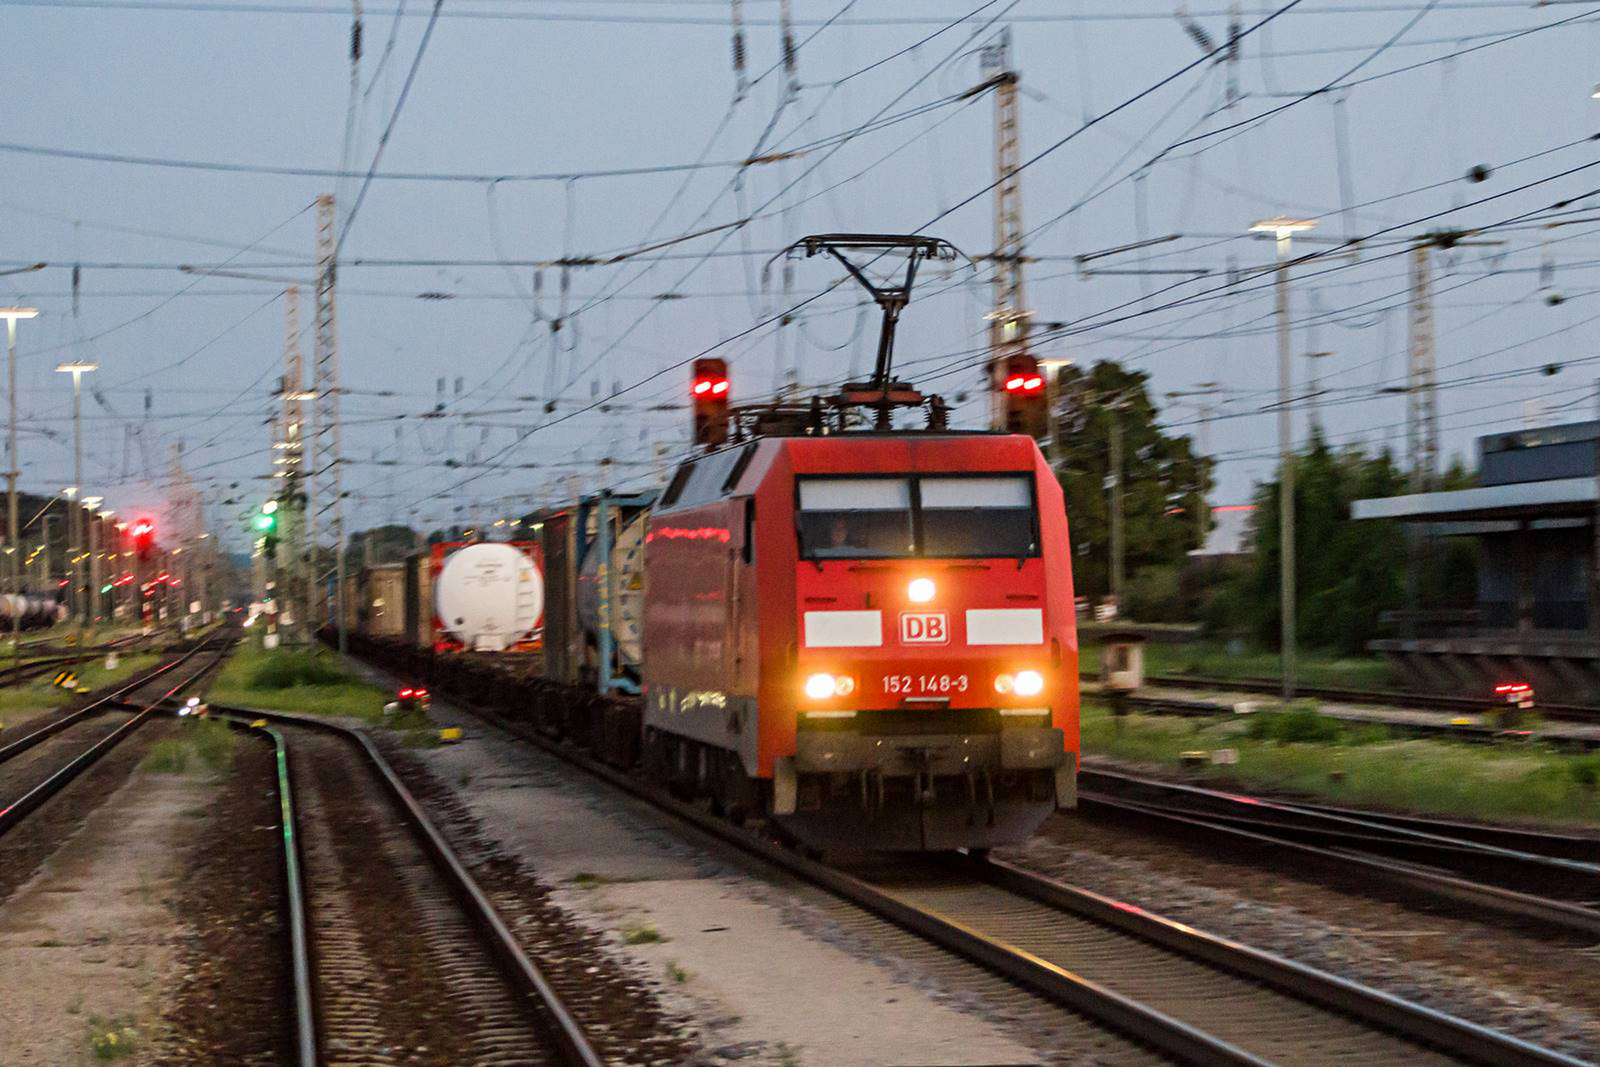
[1350,575]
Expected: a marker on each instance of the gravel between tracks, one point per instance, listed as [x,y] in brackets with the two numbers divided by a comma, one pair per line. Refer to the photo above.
[1548,993]
[28,845]
[402,976]
[228,1006]
[765,970]
[90,941]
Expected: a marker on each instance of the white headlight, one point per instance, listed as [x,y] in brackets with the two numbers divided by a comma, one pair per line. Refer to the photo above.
[920,590]
[1028,683]
[819,686]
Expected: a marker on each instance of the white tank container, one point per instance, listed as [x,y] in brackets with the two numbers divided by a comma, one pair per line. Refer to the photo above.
[489,596]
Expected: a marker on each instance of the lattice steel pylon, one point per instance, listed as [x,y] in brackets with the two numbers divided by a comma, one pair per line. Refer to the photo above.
[1008,321]
[289,468]
[1422,406]
[325,497]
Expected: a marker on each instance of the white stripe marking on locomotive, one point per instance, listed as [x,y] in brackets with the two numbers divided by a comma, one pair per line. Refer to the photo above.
[1005,626]
[844,629]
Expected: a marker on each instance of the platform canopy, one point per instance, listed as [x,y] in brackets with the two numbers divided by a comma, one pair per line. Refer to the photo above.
[1559,497]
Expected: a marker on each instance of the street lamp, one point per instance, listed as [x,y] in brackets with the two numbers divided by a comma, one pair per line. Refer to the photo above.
[1284,230]
[92,593]
[77,369]
[11,315]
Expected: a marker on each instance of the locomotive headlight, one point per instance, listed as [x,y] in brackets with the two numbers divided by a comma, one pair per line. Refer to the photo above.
[1028,683]
[826,686]
[819,686]
[920,590]
[1003,683]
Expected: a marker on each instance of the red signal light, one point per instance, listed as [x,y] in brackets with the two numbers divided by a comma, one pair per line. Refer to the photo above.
[708,389]
[144,528]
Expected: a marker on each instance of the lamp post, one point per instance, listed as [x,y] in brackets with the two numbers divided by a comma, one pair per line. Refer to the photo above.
[92,593]
[75,531]
[1284,230]
[11,315]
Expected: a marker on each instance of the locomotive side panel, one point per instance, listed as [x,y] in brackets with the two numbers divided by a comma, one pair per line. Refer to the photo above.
[699,594]
[1061,603]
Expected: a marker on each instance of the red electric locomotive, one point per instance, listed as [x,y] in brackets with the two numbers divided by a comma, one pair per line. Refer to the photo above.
[866,635]
[869,637]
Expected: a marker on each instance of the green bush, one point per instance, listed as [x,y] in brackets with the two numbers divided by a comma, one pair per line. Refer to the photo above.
[1298,725]
[1585,770]
[289,669]
[1152,595]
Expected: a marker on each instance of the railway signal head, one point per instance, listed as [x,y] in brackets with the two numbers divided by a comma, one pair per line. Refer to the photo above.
[1025,402]
[708,396]
[144,536]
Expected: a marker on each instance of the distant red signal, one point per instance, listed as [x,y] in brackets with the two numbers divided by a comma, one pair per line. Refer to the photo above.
[708,389]
[144,535]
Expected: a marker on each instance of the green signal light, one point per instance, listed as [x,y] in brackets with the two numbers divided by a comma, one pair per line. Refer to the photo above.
[265,522]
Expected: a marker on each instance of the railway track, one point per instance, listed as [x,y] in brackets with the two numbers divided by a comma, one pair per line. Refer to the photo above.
[1188,995]
[23,672]
[1382,697]
[45,760]
[396,951]
[43,763]
[1548,880]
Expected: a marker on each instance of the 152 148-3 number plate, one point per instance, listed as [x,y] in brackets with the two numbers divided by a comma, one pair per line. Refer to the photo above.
[924,684]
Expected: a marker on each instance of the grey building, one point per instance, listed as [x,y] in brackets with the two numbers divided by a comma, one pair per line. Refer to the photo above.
[1535,618]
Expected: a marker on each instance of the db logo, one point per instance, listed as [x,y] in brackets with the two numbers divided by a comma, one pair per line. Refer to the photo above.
[924,628]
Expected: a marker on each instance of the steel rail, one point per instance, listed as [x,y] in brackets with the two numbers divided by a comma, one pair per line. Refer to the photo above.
[1143,1022]
[1372,1006]
[307,1050]
[1387,697]
[55,726]
[19,809]
[1557,915]
[1334,825]
[1167,705]
[565,1034]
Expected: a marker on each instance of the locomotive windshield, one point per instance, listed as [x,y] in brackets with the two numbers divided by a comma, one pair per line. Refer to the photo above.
[856,518]
[941,516]
[977,517]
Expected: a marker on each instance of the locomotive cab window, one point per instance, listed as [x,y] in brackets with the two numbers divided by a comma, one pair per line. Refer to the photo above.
[977,516]
[855,518]
[939,516]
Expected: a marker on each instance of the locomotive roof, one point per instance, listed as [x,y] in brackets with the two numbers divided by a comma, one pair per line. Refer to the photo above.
[739,469]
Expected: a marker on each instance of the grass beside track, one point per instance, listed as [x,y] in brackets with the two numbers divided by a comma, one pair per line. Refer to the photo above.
[1299,751]
[1213,660]
[201,744]
[313,681]
[20,702]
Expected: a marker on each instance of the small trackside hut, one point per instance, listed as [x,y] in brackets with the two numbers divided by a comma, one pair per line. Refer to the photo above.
[869,636]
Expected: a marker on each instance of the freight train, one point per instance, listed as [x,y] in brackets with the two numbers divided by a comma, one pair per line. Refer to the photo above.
[29,612]
[864,636]
[867,638]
